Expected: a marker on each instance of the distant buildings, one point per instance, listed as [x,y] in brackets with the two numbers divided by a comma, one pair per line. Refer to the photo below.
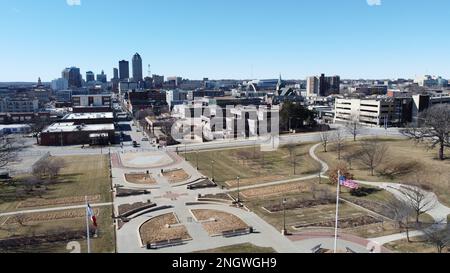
[102,77]
[90,77]
[19,105]
[431,81]
[137,68]
[124,70]
[115,73]
[322,86]
[103,100]
[73,77]
[158,81]
[59,84]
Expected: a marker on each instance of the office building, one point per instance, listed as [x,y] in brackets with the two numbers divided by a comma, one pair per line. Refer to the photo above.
[312,86]
[124,70]
[115,73]
[19,105]
[102,77]
[73,76]
[137,68]
[59,84]
[90,77]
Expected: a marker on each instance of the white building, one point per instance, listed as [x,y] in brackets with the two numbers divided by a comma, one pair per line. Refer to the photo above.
[373,112]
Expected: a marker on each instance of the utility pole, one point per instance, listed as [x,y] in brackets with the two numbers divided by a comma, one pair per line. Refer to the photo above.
[238,192]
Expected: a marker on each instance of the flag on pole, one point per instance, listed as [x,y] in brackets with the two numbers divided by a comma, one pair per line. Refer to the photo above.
[91,215]
[343,181]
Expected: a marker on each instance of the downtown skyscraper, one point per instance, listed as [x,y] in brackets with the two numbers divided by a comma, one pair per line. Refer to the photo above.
[137,68]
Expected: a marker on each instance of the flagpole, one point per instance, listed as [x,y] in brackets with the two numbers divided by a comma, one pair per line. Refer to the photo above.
[337,212]
[87,227]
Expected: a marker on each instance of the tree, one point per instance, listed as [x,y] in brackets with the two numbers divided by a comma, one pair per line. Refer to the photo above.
[439,237]
[38,124]
[401,212]
[20,219]
[353,127]
[372,153]
[8,151]
[291,147]
[339,141]
[419,201]
[296,116]
[325,136]
[47,168]
[433,129]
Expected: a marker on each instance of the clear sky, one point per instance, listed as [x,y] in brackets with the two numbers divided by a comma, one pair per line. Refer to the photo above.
[226,38]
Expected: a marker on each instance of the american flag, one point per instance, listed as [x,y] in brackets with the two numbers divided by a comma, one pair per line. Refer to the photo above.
[343,181]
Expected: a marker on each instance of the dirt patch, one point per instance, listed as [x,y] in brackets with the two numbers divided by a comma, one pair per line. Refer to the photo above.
[254,180]
[276,190]
[176,176]
[75,200]
[140,178]
[216,222]
[161,229]
[128,209]
[344,223]
[47,216]
[219,196]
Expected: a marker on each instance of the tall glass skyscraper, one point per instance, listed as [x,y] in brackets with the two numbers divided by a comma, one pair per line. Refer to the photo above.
[124,70]
[137,68]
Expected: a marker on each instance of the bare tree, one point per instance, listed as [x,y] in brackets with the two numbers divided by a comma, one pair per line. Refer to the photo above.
[325,136]
[372,153]
[8,151]
[401,212]
[291,147]
[54,167]
[353,127]
[433,129]
[339,140]
[418,200]
[439,236]
[20,219]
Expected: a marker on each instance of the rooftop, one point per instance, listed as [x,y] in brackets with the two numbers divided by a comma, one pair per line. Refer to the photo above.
[71,127]
[78,116]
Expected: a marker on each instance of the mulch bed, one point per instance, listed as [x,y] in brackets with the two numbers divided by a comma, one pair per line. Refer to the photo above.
[344,223]
[300,204]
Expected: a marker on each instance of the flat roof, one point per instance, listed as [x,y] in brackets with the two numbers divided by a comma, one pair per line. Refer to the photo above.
[77,116]
[71,127]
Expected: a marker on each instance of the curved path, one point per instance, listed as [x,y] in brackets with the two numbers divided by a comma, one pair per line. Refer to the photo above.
[438,211]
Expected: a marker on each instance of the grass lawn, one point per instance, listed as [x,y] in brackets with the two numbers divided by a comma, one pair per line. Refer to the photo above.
[103,244]
[405,159]
[81,175]
[254,166]
[240,248]
[416,246]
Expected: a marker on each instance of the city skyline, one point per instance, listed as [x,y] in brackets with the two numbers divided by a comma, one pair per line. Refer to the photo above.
[354,39]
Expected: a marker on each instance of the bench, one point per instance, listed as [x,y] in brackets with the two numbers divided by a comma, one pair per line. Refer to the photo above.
[165,243]
[317,249]
[237,232]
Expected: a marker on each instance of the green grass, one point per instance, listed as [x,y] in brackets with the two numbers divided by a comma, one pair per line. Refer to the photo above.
[240,248]
[228,165]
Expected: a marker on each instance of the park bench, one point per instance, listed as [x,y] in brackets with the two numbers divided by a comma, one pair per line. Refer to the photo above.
[237,232]
[165,243]
[317,249]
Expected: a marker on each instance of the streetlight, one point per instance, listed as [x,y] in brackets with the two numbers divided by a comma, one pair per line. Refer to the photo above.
[196,158]
[238,193]
[284,232]
[212,170]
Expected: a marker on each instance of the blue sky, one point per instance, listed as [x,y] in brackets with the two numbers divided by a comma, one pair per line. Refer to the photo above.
[227,38]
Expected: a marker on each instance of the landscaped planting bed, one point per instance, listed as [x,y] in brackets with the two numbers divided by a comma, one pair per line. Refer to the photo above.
[344,223]
[161,228]
[299,204]
[216,222]
[276,190]
[40,202]
[140,178]
[47,216]
[176,176]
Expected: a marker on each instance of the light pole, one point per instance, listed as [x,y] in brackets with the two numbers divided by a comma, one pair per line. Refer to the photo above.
[284,232]
[196,158]
[212,170]
[238,192]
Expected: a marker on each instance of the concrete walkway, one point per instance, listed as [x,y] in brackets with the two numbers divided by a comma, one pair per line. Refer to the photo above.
[53,209]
